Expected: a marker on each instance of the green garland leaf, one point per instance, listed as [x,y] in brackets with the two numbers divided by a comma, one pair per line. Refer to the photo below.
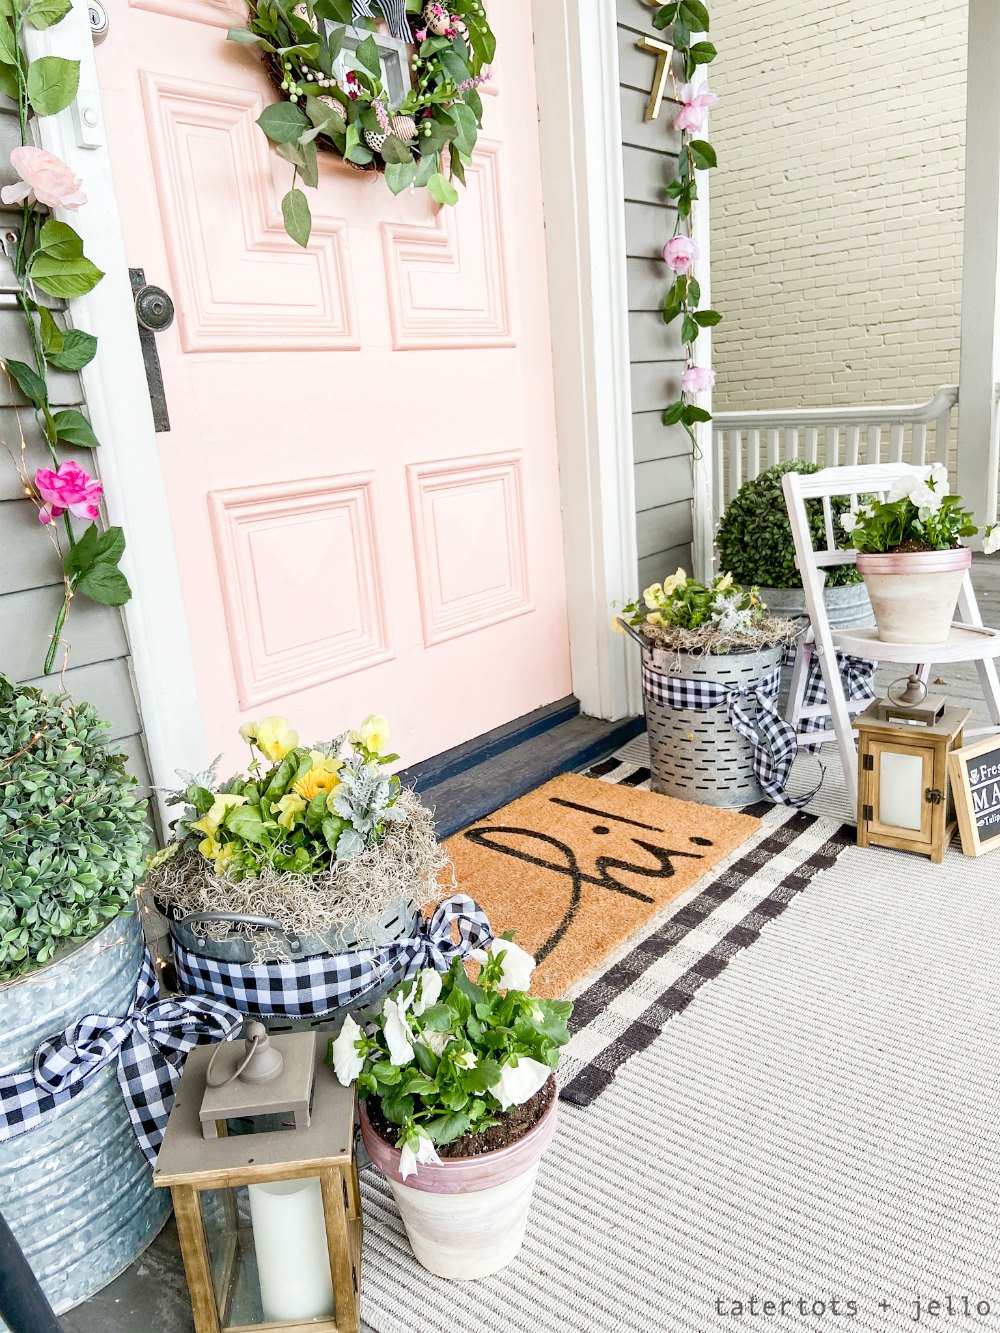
[703,154]
[702,53]
[59,266]
[52,84]
[30,383]
[73,427]
[78,350]
[44,13]
[695,15]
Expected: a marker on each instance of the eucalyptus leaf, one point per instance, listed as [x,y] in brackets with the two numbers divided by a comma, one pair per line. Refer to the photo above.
[466,126]
[368,57]
[395,151]
[400,175]
[441,190]
[298,219]
[245,37]
[282,122]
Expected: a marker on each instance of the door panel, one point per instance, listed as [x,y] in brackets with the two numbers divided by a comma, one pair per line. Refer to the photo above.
[361,469]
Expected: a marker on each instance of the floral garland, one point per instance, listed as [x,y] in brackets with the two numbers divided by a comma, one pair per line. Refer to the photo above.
[327,104]
[683,299]
[48,261]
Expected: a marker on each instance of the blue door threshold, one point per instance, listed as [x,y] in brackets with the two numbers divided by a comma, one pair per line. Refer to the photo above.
[474,779]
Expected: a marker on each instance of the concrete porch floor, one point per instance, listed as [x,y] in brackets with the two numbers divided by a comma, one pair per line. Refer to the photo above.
[151,1296]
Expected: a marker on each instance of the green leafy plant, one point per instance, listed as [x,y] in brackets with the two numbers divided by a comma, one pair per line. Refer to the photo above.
[755,536]
[433,128]
[72,829]
[918,514]
[49,262]
[686,604]
[296,809]
[446,1056]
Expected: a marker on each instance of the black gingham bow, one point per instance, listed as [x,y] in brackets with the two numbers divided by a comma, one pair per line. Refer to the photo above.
[395,16]
[856,676]
[773,740]
[149,1044]
[314,987]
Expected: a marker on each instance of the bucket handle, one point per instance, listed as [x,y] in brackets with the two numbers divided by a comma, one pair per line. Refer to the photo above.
[238,918]
[634,633]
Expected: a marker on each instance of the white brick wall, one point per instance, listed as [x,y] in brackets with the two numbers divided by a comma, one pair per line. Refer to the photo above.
[837,206]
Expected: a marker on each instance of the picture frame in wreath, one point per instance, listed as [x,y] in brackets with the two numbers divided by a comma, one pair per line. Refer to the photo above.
[394,56]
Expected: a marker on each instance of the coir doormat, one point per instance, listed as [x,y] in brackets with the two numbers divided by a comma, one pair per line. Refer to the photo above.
[577,866]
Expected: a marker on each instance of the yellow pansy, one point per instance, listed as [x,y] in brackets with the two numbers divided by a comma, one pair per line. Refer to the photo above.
[272,736]
[617,625]
[674,582]
[223,857]
[653,595]
[289,808]
[329,763]
[725,583]
[316,780]
[209,848]
[373,733]
[209,824]
[655,618]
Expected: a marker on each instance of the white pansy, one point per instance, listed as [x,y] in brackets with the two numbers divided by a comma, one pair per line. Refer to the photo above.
[925,498]
[849,521]
[515,1086]
[347,1063]
[435,1041]
[939,476]
[466,1060]
[991,539]
[517,966]
[866,510]
[397,1033]
[902,487]
[430,988]
[410,1160]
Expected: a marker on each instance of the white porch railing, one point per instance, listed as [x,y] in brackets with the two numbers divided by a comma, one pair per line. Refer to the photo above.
[745,443]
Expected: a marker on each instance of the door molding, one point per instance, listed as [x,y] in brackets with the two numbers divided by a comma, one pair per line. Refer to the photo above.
[117,399]
[576,58]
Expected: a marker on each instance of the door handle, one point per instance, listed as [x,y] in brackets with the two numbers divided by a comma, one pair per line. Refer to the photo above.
[154,312]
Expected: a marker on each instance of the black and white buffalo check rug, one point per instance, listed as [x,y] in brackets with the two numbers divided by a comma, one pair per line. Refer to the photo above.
[808,1140]
[658,972]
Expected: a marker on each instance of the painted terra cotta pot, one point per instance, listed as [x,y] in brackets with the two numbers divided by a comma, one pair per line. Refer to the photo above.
[466,1217]
[914,593]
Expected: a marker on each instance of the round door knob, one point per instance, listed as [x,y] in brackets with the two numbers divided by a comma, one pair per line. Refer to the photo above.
[154,309]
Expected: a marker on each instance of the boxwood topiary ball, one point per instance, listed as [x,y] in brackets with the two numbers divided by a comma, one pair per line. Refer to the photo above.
[72,829]
[755,535]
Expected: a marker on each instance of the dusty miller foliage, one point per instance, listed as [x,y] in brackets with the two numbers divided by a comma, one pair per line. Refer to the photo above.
[72,829]
[365,799]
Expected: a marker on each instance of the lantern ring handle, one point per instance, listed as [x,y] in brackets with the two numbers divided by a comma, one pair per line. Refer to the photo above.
[252,1042]
[910,683]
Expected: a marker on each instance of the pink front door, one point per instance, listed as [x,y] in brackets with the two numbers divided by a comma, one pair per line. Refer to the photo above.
[361,467]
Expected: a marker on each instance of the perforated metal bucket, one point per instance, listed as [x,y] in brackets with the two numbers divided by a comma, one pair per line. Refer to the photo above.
[698,756]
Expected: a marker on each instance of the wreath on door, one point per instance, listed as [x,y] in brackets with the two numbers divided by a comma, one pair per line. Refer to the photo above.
[403,101]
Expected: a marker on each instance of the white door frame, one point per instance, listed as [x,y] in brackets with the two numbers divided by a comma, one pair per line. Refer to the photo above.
[576,58]
[117,397]
[585,217]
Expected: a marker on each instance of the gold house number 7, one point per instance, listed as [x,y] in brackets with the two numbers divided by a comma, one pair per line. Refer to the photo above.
[663,52]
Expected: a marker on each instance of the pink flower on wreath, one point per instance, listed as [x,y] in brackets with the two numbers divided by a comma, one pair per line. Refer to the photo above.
[420,35]
[694,107]
[46,177]
[679,253]
[68,487]
[696,379]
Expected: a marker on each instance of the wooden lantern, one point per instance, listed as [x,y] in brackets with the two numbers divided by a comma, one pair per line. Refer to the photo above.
[269,1220]
[904,793]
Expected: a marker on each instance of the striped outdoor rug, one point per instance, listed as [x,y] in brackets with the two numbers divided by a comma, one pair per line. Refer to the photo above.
[623,1010]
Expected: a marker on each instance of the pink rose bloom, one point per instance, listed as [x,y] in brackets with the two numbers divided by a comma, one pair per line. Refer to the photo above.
[68,487]
[679,253]
[694,108]
[46,177]
[696,379]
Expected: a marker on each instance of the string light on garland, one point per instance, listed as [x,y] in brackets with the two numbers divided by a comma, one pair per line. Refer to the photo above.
[683,299]
[406,105]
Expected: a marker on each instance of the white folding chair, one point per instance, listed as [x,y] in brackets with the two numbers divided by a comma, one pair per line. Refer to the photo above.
[969,640]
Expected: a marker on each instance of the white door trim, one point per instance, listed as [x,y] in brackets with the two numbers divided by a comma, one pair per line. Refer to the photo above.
[118,403]
[576,58]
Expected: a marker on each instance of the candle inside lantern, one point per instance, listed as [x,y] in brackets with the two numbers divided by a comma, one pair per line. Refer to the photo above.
[293,1261]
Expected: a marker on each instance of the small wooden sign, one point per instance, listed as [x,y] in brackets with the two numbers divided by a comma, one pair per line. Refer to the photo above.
[975,781]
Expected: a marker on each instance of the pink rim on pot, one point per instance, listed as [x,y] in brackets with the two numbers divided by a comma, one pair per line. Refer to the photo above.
[914,593]
[459,1175]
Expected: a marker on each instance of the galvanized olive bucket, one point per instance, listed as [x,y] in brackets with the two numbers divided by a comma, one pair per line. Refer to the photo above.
[76,1191]
[699,756]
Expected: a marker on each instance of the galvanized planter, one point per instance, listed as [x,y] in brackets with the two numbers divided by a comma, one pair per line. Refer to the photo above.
[847,607]
[77,1192]
[400,921]
[698,756]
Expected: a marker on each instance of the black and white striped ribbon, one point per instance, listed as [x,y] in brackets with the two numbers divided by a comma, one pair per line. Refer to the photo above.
[394,12]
